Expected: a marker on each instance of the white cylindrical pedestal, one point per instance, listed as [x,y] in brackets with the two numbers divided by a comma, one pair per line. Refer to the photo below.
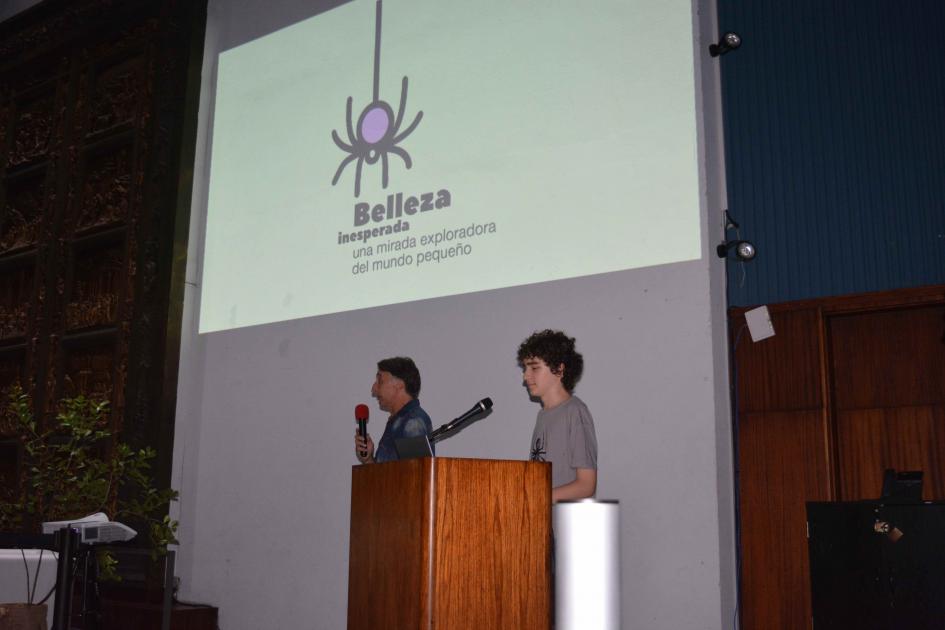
[587,565]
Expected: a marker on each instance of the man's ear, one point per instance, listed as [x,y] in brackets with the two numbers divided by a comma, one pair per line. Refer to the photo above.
[559,371]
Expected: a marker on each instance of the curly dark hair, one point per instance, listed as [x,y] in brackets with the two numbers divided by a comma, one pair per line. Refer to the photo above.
[405,369]
[554,348]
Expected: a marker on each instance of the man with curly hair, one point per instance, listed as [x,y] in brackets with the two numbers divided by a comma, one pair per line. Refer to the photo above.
[396,387]
[564,430]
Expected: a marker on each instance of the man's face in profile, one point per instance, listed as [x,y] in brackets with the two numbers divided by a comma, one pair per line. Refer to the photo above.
[386,389]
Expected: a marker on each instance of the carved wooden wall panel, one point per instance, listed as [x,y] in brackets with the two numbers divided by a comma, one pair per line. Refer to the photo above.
[117,89]
[90,368]
[17,286]
[104,188]
[94,103]
[95,285]
[11,369]
[35,126]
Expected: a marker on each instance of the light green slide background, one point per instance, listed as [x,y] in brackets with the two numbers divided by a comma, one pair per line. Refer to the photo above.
[569,125]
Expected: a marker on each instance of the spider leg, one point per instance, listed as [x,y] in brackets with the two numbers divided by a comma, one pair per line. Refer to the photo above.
[341,145]
[400,115]
[403,155]
[357,177]
[351,137]
[413,125]
[384,170]
[403,104]
[341,167]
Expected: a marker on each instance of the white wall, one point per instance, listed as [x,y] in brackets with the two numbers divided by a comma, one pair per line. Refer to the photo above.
[14,587]
[265,421]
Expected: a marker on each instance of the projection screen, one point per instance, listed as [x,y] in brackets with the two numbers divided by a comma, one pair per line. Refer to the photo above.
[385,152]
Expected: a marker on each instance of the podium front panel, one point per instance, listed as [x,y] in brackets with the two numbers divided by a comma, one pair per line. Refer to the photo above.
[388,561]
[450,543]
[492,544]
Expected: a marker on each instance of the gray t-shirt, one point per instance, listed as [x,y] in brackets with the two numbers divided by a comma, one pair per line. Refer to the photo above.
[564,436]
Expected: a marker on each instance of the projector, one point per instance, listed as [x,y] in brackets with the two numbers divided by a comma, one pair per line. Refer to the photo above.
[94,529]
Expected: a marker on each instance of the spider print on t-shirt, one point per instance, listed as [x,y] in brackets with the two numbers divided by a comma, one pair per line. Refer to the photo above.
[538,451]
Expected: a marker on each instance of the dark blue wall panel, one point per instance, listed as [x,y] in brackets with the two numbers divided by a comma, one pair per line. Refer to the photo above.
[835,145]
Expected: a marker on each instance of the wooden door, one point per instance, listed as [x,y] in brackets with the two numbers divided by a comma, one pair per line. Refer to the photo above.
[888,383]
[783,461]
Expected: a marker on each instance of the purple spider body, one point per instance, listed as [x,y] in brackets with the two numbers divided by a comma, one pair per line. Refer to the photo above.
[374,123]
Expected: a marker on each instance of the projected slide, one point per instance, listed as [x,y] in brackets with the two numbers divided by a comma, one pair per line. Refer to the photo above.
[385,152]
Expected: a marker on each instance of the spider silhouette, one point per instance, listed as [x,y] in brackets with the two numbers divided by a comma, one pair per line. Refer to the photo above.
[377,132]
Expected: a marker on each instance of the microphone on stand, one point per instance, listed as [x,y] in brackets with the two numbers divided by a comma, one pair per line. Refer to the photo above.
[480,407]
[361,413]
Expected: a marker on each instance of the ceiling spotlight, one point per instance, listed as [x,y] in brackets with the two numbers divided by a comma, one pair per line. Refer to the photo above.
[744,250]
[729,41]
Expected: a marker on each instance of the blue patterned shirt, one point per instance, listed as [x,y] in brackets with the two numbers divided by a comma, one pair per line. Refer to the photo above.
[410,421]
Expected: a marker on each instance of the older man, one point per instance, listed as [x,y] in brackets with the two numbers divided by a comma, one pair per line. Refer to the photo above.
[396,387]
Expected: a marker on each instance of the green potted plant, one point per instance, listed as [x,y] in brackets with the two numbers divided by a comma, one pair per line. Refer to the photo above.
[74,467]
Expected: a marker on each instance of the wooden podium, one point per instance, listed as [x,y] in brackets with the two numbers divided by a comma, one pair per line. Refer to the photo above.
[450,543]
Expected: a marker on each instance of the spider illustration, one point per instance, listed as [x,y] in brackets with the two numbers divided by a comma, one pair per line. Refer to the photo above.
[377,132]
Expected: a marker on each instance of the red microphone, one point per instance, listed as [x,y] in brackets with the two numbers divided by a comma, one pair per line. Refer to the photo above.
[361,413]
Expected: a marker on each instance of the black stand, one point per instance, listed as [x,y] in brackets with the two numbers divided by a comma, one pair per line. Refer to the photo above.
[68,541]
[876,565]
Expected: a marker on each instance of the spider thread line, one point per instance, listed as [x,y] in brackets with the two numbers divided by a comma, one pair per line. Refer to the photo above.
[377,53]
